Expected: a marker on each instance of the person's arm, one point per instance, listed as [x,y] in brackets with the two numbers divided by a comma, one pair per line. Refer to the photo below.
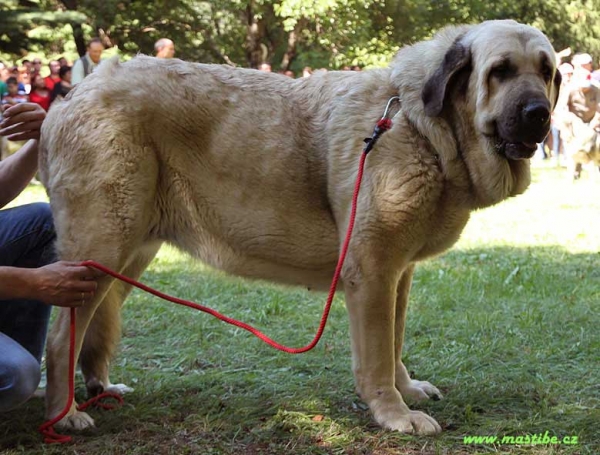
[63,284]
[16,172]
[77,73]
[21,122]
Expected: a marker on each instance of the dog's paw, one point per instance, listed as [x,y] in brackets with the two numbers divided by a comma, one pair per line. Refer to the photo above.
[96,387]
[77,421]
[415,422]
[391,413]
[119,389]
[416,391]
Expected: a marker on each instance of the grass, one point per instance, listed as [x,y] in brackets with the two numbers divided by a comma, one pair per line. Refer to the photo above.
[506,325]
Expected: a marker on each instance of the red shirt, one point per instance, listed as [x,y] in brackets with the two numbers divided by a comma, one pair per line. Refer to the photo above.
[43,101]
[51,81]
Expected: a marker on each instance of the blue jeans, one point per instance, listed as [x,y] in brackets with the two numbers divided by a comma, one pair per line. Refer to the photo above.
[26,240]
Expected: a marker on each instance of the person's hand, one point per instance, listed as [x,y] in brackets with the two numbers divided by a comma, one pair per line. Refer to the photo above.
[564,53]
[65,284]
[22,121]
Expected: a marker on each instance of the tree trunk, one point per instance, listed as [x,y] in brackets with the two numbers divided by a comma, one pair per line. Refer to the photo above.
[71,5]
[79,39]
[292,46]
[254,51]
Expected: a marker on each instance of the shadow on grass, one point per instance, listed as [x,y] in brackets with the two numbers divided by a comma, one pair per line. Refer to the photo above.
[508,334]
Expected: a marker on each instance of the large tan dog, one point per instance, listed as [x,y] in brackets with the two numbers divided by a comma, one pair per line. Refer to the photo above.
[253,173]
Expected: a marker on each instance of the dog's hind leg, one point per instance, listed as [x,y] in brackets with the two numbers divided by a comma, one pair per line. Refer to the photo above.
[104,331]
[105,214]
[411,389]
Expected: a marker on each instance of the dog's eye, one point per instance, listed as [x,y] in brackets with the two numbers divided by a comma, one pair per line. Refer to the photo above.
[546,73]
[502,71]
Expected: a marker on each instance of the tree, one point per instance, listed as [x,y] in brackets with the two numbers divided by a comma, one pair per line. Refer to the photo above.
[18,17]
[286,33]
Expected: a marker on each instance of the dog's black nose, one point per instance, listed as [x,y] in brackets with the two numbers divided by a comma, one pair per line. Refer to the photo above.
[536,113]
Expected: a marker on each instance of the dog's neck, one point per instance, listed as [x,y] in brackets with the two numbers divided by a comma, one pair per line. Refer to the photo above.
[442,139]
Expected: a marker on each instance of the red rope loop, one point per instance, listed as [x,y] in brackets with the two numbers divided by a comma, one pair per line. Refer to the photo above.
[95,401]
[384,124]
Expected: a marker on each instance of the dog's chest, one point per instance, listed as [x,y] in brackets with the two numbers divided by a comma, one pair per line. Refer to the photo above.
[444,229]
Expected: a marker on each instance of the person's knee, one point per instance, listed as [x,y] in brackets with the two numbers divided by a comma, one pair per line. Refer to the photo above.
[19,378]
[42,223]
[40,211]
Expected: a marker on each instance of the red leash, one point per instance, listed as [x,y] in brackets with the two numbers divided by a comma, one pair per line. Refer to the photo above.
[47,429]
[241,324]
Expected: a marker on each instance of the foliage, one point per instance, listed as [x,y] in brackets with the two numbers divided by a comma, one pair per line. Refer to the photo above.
[285,33]
[22,25]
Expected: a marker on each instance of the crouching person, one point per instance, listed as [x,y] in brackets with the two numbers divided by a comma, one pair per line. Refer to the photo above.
[30,279]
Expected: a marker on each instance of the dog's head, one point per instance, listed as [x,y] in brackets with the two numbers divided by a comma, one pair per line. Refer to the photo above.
[505,73]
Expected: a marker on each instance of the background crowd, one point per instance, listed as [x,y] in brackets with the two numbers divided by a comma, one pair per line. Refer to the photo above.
[576,118]
[574,140]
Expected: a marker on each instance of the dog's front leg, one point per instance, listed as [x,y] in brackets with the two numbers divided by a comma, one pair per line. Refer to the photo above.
[411,389]
[370,288]
[57,390]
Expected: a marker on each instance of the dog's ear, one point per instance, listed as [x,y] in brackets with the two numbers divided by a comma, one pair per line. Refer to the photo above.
[434,92]
[557,84]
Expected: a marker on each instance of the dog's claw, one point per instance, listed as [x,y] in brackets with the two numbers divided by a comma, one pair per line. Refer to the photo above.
[417,391]
[77,421]
[119,389]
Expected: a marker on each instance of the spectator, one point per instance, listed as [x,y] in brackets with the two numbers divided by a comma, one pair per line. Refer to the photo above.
[582,67]
[3,77]
[584,98]
[63,87]
[13,71]
[24,78]
[164,48]
[29,280]
[307,71]
[3,90]
[566,71]
[265,67]
[596,76]
[36,68]
[584,121]
[39,92]
[87,64]
[555,140]
[53,77]
[13,95]
[63,61]
[27,64]
[289,73]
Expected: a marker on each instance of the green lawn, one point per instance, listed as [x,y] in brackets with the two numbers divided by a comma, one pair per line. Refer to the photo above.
[506,325]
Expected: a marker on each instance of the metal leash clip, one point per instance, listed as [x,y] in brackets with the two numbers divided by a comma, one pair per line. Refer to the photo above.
[382,126]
